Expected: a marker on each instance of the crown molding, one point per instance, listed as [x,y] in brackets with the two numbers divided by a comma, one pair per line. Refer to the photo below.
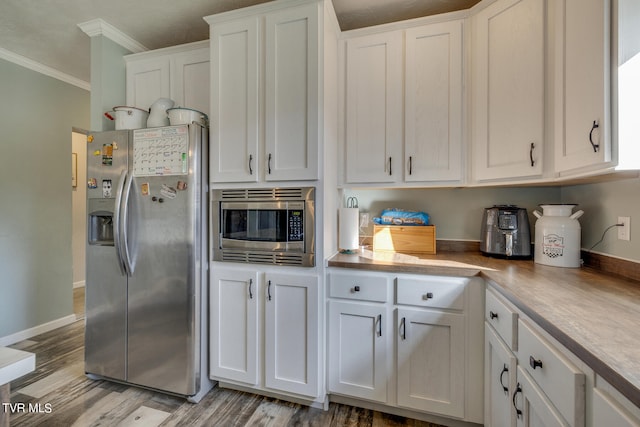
[43,69]
[99,27]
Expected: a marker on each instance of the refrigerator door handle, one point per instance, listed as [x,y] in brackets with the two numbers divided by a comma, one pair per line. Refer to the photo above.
[125,237]
[117,221]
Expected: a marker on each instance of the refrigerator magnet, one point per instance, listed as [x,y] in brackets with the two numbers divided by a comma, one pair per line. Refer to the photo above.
[106,188]
[182,185]
[92,183]
[168,192]
[107,154]
[144,188]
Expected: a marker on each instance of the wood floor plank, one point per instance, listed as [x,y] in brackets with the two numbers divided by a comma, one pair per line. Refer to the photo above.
[92,414]
[144,417]
[270,414]
[75,400]
[53,381]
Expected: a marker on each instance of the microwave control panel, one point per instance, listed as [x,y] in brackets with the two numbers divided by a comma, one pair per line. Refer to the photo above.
[296,226]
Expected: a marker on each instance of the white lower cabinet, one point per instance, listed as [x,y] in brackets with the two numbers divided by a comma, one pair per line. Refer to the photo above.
[533,407]
[404,341]
[265,319]
[234,325]
[611,409]
[546,389]
[358,349]
[431,361]
[291,333]
[500,381]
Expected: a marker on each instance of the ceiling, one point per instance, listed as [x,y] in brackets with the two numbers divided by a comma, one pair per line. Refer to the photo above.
[47,32]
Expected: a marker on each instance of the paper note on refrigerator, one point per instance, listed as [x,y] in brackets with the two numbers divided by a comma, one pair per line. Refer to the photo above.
[160,151]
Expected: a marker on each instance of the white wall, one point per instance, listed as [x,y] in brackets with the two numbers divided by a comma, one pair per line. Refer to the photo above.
[603,203]
[456,212]
[35,197]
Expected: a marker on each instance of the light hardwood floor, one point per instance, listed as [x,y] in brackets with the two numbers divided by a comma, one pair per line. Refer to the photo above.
[61,395]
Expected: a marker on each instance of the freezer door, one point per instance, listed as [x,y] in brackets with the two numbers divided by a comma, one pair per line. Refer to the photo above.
[105,314]
[164,237]
[106,285]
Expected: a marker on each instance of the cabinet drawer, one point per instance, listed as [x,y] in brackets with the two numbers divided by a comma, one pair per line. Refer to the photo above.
[503,319]
[435,292]
[358,286]
[557,377]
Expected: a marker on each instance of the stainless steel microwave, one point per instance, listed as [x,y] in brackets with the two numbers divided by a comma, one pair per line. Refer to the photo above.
[264,226]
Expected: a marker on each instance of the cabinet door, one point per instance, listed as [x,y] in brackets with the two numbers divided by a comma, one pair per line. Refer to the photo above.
[234,325]
[374,108]
[532,406]
[358,350]
[190,78]
[234,101]
[582,84]
[291,334]
[433,103]
[291,85]
[499,381]
[508,90]
[431,361]
[608,412]
[148,80]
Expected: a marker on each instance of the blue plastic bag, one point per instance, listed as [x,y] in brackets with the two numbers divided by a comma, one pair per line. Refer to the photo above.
[394,216]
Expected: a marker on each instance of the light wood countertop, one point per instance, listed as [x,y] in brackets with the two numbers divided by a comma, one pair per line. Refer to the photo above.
[595,315]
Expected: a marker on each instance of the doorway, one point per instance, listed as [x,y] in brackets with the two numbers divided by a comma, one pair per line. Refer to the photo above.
[79,217]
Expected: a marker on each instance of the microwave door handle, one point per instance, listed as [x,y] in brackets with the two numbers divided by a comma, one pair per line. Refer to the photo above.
[117,221]
[125,232]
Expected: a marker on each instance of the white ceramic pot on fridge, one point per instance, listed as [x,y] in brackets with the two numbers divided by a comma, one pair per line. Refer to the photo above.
[158,113]
[128,117]
[557,236]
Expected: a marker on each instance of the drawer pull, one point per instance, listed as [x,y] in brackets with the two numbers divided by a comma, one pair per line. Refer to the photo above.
[518,390]
[355,289]
[506,389]
[535,363]
[250,292]
[427,296]
[493,315]
[379,325]
[403,325]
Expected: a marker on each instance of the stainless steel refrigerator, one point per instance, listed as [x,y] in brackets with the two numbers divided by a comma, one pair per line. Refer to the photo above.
[146,276]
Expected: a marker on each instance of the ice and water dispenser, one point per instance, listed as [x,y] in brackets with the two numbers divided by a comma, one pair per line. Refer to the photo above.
[101,221]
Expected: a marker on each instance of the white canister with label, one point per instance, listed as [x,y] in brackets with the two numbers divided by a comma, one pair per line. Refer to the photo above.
[557,240]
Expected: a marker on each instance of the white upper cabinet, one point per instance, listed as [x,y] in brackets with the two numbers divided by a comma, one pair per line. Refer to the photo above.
[180,73]
[234,101]
[147,80]
[404,105]
[508,90]
[433,103]
[583,124]
[190,78]
[374,108]
[291,83]
[281,141]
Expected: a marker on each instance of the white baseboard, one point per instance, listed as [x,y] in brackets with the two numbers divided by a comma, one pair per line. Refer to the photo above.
[79,284]
[37,330]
